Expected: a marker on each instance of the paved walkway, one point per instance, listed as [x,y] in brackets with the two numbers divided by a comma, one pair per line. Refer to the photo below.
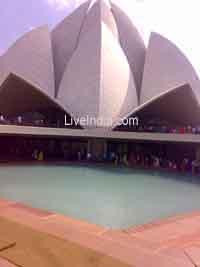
[169,243]
[5,263]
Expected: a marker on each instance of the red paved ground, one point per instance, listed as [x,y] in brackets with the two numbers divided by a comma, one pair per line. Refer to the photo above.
[169,243]
[5,263]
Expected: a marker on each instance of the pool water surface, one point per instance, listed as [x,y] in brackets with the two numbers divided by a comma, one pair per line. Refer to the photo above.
[107,196]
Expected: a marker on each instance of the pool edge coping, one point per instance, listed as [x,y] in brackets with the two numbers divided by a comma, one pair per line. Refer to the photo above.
[89,235]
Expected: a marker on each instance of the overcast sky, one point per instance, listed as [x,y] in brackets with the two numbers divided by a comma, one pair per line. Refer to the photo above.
[178,20]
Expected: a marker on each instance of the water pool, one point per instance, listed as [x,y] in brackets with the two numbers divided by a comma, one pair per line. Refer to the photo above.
[112,197]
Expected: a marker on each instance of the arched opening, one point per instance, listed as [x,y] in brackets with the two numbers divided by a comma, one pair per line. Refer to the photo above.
[22,103]
[175,110]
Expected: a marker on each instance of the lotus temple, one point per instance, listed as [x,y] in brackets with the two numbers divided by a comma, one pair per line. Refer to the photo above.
[100,146]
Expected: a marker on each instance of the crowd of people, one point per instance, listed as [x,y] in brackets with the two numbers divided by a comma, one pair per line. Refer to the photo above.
[188,129]
[37,119]
[161,126]
[153,126]
[154,161]
[19,120]
[60,150]
[40,149]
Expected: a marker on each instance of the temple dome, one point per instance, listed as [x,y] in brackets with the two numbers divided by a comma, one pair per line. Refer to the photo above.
[107,46]
[94,63]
